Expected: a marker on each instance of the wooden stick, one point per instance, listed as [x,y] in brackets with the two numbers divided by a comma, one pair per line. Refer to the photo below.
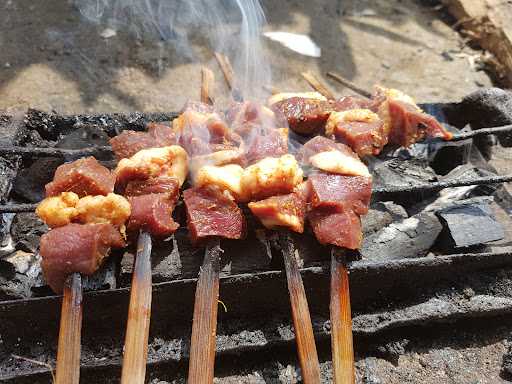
[229,75]
[207,79]
[139,314]
[317,85]
[204,326]
[347,83]
[341,321]
[304,336]
[68,352]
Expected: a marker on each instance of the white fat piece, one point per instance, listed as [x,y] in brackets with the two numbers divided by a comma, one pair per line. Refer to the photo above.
[334,161]
[271,174]
[169,161]
[352,115]
[288,95]
[280,220]
[114,209]
[57,211]
[226,178]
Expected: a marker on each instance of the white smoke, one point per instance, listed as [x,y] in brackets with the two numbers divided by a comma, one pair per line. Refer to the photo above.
[231,27]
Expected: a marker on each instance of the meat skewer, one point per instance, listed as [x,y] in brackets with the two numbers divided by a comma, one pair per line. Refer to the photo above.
[211,215]
[150,178]
[83,229]
[279,209]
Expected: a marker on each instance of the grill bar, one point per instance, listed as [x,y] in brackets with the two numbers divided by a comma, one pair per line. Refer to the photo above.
[379,191]
[55,152]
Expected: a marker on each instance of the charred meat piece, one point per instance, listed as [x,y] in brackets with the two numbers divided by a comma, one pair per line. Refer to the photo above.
[329,156]
[304,115]
[336,228]
[404,122]
[84,177]
[162,184]
[128,143]
[270,177]
[151,163]
[269,143]
[153,212]
[361,129]
[76,248]
[283,211]
[343,193]
[212,213]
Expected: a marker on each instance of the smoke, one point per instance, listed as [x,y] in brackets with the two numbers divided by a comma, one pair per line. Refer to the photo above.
[231,27]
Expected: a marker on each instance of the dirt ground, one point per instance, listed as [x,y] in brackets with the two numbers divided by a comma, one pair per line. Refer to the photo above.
[51,59]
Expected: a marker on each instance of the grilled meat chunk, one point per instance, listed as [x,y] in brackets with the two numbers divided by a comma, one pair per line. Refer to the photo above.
[336,228]
[226,177]
[283,211]
[343,193]
[361,129]
[163,184]
[329,156]
[84,177]
[153,212]
[270,177]
[266,143]
[76,248]
[212,213]
[151,163]
[404,122]
[57,211]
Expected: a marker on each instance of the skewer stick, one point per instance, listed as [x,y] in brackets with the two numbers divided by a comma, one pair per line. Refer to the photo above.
[68,352]
[347,83]
[139,314]
[317,85]
[304,336]
[204,326]
[229,75]
[341,321]
[207,79]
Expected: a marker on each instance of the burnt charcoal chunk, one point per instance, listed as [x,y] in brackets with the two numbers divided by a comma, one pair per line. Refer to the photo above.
[20,272]
[469,225]
[83,137]
[29,183]
[7,173]
[26,230]
[411,237]
[380,215]
[489,108]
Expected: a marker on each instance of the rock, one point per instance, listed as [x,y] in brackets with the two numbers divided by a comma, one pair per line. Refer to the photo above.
[411,237]
[469,225]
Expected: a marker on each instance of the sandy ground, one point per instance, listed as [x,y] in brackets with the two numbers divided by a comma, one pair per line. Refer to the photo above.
[52,60]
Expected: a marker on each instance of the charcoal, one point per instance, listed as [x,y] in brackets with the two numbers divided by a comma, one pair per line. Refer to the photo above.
[411,237]
[490,107]
[380,215]
[506,367]
[83,137]
[447,155]
[29,183]
[8,170]
[469,225]
[26,230]
[402,172]
[20,272]
[103,278]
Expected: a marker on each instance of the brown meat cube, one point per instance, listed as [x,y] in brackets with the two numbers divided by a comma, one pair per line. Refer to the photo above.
[342,229]
[76,248]
[84,177]
[153,212]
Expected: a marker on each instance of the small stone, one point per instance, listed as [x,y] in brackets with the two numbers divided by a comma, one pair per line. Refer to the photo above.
[107,33]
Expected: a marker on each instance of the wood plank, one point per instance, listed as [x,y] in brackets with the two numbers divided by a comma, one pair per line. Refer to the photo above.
[487,22]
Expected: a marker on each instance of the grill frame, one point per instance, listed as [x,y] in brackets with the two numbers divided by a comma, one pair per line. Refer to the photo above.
[105,310]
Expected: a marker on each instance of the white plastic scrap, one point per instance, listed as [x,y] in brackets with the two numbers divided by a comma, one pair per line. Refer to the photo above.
[299,43]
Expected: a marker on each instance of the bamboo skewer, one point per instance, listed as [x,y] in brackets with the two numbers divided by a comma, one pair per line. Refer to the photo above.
[207,79]
[68,352]
[341,321]
[229,75]
[304,336]
[347,83]
[318,86]
[204,326]
[139,315]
